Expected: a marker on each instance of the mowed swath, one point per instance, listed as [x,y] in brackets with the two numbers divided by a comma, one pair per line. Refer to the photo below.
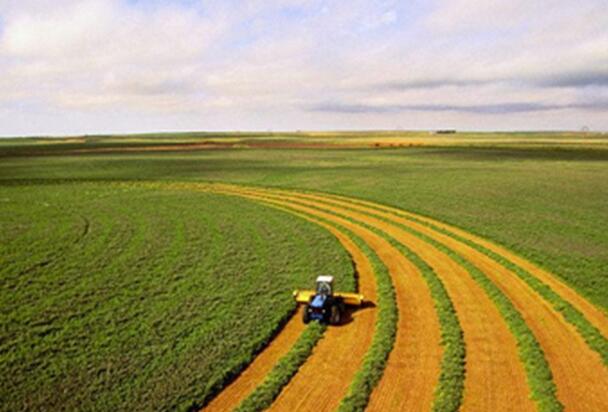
[561,342]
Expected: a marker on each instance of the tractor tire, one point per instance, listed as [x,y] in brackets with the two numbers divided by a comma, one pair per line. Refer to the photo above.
[305,315]
[335,316]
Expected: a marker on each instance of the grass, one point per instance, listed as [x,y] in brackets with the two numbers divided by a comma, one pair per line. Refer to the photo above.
[547,204]
[123,297]
[262,396]
[103,285]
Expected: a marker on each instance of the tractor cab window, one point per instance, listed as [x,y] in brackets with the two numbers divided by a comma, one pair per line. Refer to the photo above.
[324,288]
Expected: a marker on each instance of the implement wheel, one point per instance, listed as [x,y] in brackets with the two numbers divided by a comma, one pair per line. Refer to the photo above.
[335,316]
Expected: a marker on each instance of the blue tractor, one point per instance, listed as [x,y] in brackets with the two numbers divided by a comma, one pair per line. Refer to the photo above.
[323,304]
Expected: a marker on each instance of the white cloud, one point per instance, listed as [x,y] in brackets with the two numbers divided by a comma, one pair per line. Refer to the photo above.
[260,64]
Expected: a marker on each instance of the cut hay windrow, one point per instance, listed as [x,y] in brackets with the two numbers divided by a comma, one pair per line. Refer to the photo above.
[522,300]
[449,390]
[539,375]
[376,358]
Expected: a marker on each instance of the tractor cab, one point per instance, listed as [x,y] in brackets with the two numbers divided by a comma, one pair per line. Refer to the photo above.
[325,285]
[324,304]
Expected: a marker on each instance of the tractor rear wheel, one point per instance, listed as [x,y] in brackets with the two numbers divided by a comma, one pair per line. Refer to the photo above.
[335,315]
[305,314]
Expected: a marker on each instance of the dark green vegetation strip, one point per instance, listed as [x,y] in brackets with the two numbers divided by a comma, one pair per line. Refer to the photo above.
[537,369]
[125,298]
[280,375]
[590,333]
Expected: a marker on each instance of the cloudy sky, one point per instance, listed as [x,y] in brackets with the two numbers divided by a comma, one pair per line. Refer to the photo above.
[71,67]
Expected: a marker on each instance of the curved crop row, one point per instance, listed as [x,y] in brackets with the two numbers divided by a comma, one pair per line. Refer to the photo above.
[333,346]
[448,393]
[568,385]
[541,386]
[449,389]
[264,394]
[539,375]
[385,249]
[588,331]
[538,372]
[592,335]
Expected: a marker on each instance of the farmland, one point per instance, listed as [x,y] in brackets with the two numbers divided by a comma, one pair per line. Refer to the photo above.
[149,279]
[109,293]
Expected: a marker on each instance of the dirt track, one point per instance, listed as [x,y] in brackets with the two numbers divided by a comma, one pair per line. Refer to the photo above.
[495,377]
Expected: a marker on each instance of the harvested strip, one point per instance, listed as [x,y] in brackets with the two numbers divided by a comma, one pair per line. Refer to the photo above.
[255,373]
[413,366]
[579,373]
[449,391]
[376,357]
[539,374]
[596,316]
[263,396]
[496,379]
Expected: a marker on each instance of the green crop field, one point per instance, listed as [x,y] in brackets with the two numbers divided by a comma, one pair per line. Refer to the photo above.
[123,291]
[132,298]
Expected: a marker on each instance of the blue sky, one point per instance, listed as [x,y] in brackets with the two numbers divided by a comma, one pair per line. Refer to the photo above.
[74,67]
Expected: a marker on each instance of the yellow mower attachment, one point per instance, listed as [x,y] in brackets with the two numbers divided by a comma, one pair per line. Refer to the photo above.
[325,305]
[351,299]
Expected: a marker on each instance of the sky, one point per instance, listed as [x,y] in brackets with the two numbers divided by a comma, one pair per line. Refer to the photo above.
[115,66]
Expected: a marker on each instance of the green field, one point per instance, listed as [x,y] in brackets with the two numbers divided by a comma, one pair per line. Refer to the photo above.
[110,289]
[132,298]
